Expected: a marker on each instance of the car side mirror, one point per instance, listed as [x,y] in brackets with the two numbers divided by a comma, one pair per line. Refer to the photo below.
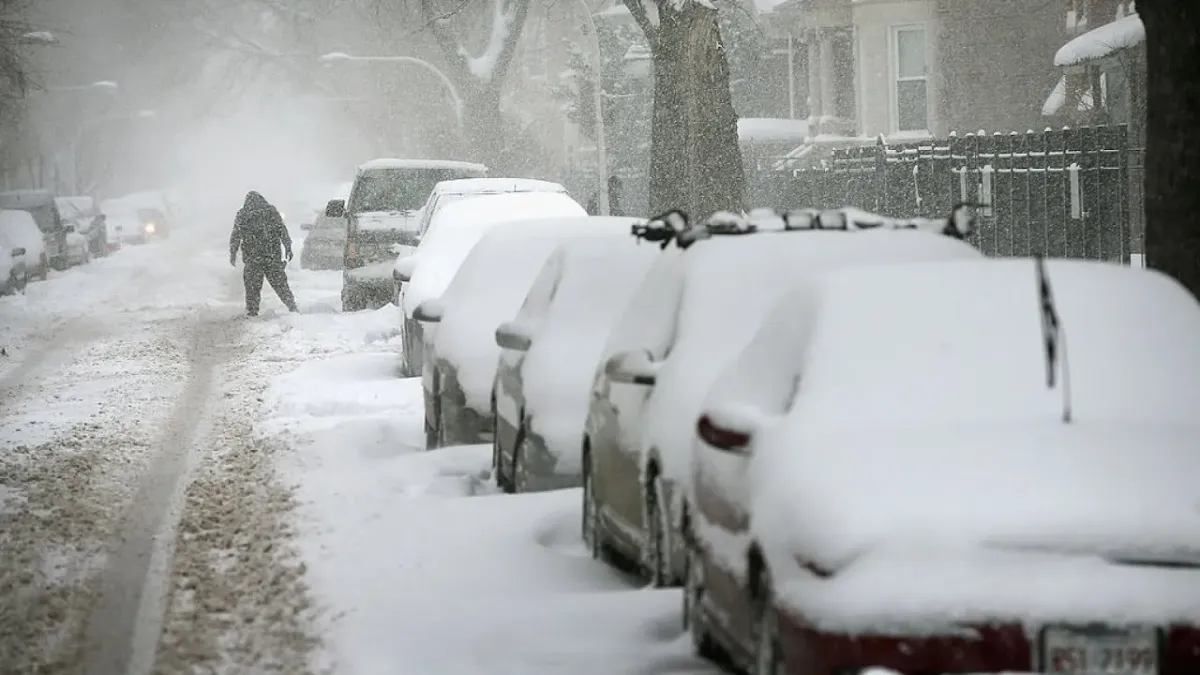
[632,367]
[18,251]
[336,208]
[404,269]
[514,336]
[429,311]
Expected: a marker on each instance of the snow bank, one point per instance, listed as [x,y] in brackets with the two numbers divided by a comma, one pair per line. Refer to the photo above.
[598,278]
[388,163]
[325,392]
[1112,37]
[490,286]
[728,285]
[458,227]
[772,130]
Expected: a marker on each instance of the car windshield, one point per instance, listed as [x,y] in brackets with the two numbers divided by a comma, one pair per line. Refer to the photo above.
[43,215]
[398,189]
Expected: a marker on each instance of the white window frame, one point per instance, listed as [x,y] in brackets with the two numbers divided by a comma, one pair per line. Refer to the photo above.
[894,79]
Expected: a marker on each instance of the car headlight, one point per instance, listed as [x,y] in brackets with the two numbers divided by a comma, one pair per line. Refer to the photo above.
[150,228]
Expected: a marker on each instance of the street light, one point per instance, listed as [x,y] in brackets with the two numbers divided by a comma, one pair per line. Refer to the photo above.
[455,99]
[39,37]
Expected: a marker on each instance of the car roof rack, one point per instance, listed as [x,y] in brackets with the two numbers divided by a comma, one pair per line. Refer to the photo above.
[675,226]
[959,224]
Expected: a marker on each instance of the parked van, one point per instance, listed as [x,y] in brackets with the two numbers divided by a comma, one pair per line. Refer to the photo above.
[21,236]
[40,204]
[382,217]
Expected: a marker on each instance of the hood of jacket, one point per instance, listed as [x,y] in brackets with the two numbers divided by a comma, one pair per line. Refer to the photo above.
[255,202]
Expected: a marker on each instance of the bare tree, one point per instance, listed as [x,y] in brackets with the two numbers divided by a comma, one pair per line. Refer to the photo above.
[15,81]
[695,161]
[1172,138]
[480,77]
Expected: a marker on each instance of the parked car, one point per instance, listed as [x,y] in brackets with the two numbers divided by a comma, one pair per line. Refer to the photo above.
[123,224]
[697,307]
[40,204]
[549,352]
[324,241]
[894,473]
[450,191]
[427,271]
[13,273]
[487,290]
[81,213]
[19,232]
[78,247]
[382,216]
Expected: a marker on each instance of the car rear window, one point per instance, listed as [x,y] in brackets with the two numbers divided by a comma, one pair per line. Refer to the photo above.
[399,189]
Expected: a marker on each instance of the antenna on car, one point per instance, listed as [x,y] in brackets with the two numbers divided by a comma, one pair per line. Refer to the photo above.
[1053,338]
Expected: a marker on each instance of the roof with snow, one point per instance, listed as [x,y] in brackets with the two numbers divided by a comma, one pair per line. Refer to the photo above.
[1108,39]
[389,163]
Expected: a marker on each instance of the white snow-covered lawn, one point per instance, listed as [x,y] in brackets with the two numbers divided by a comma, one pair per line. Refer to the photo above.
[419,565]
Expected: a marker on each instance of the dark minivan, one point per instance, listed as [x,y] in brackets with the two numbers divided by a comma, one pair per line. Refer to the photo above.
[382,217]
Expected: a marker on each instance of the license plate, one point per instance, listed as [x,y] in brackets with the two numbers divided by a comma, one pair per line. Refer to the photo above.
[1100,652]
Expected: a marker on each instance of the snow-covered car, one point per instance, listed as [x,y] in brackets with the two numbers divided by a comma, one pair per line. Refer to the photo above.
[697,307]
[487,290]
[18,230]
[41,206]
[123,225]
[80,212]
[78,247]
[13,273]
[382,216]
[967,466]
[450,191]
[154,223]
[549,353]
[427,272]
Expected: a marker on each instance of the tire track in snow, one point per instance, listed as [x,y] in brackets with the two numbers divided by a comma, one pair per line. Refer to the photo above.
[124,627]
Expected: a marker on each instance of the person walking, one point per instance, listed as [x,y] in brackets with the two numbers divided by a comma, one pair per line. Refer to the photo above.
[261,235]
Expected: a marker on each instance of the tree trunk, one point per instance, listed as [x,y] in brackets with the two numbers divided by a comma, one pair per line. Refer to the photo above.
[695,164]
[1173,139]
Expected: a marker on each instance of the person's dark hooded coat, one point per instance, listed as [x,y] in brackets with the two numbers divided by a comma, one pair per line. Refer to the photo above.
[260,233]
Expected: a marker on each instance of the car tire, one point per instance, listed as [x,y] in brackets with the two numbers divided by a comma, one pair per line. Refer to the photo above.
[519,483]
[589,526]
[694,620]
[655,557]
[768,654]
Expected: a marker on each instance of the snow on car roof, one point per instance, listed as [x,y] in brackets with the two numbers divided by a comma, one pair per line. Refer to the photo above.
[22,199]
[19,229]
[952,431]
[460,226]
[466,186]
[388,163]
[490,285]
[597,279]
[74,207]
[713,297]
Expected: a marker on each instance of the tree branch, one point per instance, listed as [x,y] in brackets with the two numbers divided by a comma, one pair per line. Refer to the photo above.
[640,9]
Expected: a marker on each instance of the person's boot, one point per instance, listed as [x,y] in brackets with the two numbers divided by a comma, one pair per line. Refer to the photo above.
[293,308]
[251,312]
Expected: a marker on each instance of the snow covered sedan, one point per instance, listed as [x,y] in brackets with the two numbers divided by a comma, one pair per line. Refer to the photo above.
[427,273]
[549,352]
[381,217]
[487,290]
[966,466]
[696,308]
[449,191]
[19,231]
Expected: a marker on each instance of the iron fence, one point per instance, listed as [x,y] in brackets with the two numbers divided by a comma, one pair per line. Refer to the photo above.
[1071,193]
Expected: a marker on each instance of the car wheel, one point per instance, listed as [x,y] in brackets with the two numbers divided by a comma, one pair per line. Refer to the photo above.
[768,654]
[520,482]
[590,525]
[657,563]
[694,620]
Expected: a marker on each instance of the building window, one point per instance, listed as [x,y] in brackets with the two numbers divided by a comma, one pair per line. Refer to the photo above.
[910,65]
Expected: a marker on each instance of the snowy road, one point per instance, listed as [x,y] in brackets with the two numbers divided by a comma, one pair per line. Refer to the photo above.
[186,490]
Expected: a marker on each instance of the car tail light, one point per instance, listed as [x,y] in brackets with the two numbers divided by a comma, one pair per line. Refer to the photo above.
[719,437]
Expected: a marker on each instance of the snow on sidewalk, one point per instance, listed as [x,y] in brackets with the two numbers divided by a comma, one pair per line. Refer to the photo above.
[420,565]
